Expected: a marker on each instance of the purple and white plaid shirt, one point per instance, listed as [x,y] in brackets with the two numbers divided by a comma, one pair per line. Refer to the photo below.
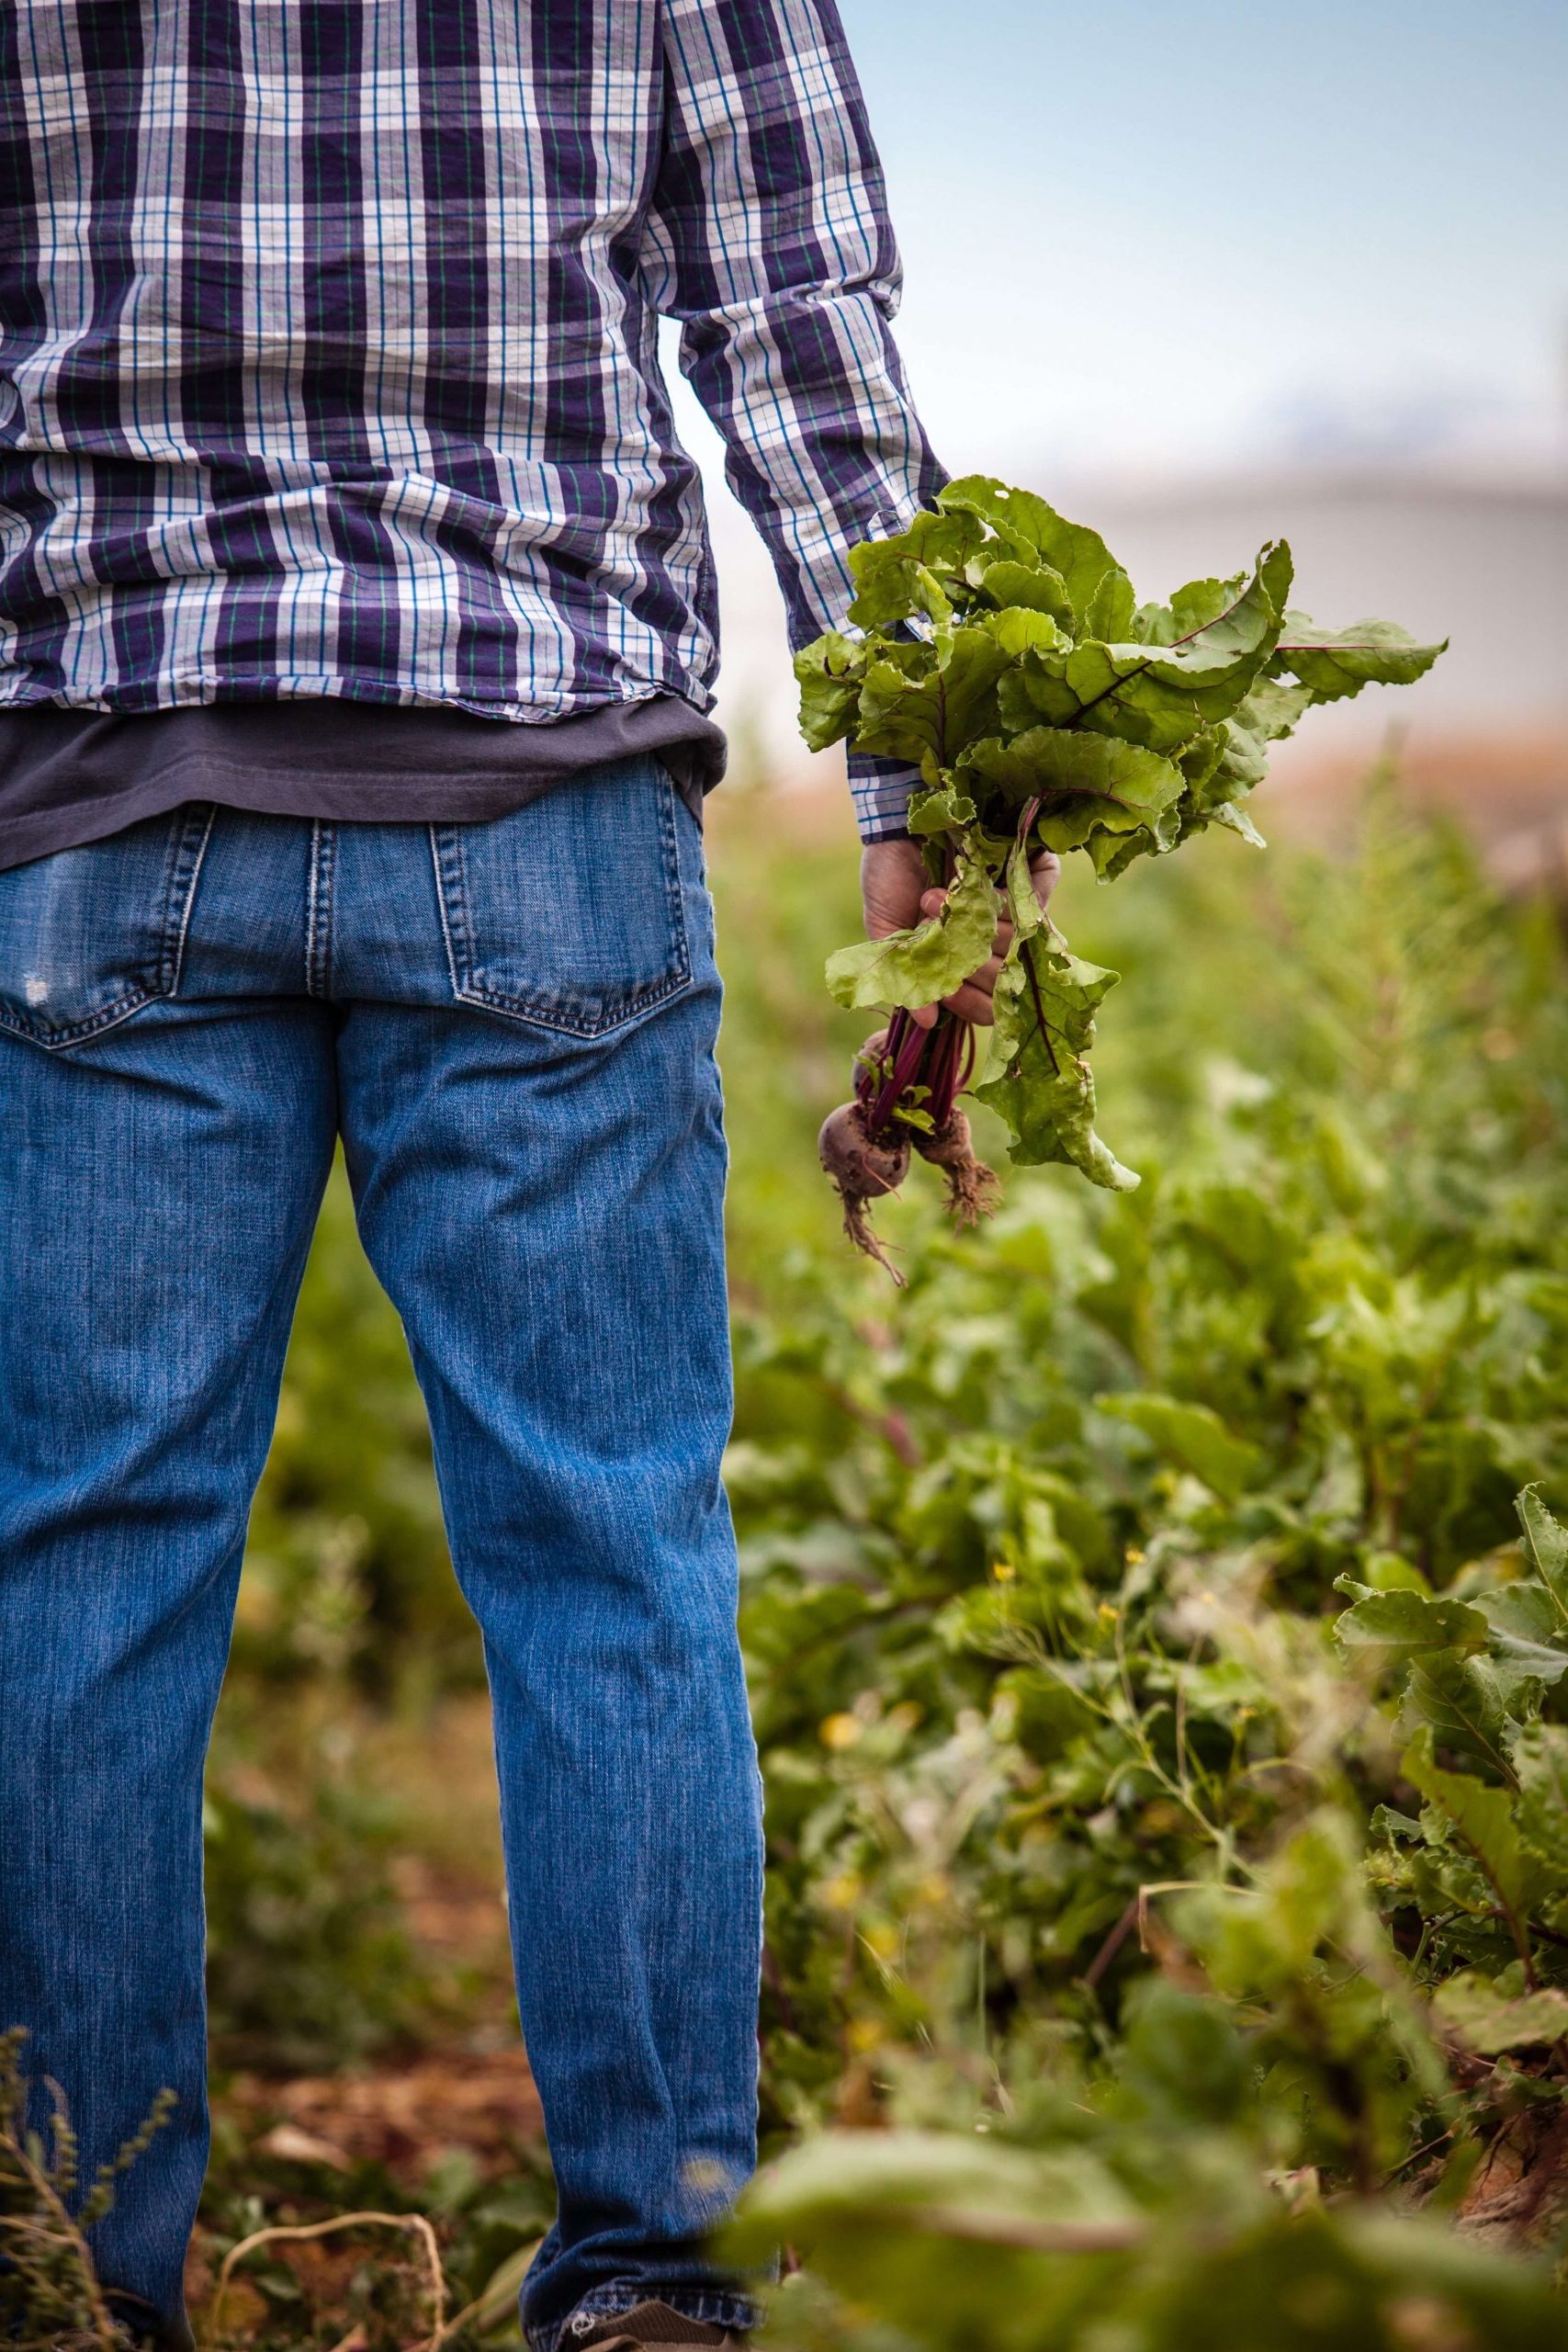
[328,355]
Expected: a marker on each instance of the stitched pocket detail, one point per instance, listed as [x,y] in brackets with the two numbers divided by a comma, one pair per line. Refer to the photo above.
[91,934]
[568,913]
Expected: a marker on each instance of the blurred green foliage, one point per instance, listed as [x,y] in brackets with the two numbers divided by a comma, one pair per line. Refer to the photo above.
[310,1965]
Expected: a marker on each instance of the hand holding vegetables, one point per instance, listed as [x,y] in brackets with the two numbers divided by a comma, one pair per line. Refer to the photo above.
[1002,651]
[896,892]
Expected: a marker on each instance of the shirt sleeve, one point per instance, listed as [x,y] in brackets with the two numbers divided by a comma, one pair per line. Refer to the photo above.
[768,238]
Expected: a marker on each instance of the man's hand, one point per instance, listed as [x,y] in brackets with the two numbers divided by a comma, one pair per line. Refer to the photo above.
[897,893]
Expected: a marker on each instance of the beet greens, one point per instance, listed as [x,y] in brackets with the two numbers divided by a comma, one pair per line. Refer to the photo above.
[1001,650]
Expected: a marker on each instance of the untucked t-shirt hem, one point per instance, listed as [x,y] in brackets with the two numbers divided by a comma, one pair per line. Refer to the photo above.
[365,764]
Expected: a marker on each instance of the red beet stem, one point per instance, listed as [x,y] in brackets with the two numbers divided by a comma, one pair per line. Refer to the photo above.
[940,1059]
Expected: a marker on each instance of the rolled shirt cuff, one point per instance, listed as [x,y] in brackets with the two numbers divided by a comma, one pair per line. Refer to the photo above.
[880,790]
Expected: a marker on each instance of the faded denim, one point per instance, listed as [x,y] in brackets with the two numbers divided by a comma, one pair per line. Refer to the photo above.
[511,1026]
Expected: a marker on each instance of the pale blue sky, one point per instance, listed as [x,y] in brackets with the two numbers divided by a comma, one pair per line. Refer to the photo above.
[1197,234]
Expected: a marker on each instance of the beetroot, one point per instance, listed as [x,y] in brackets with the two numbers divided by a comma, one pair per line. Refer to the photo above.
[863,1165]
[973,1191]
[906,1081]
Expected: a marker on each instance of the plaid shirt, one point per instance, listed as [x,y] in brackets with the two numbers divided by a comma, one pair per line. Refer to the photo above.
[327,354]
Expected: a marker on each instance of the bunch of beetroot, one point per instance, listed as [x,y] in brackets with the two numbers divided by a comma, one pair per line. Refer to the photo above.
[1001,650]
[907,1082]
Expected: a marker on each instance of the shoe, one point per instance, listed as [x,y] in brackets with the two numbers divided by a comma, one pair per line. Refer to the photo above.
[655,2326]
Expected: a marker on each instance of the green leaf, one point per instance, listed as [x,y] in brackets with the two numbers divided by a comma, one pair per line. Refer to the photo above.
[1032,530]
[1222,624]
[925,703]
[1051,1714]
[1387,1822]
[920,967]
[1540,1760]
[1110,610]
[496,2302]
[897,578]
[1480,1818]
[1192,1436]
[1236,820]
[1527,1633]
[1405,1624]
[1264,1944]
[1185,2060]
[830,675]
[1546,1542]
[1159,696]
[1037,1082]
[1462,1701]
[857,2183]
[1026,587]
[1269,713]
[1338,662]
[1470,2006]
[1190,609]
[1018,631]
[946,810]
[1036,1077]
[1086,783]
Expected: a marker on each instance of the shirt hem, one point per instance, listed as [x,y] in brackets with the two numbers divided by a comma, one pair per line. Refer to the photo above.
[663,727]
[317,685]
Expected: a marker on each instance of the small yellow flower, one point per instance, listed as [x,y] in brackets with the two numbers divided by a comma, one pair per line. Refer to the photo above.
[1108,1612]
[842,1894]
[864,2034]
[1136,1555]
[882,1939]
[840,1731]
[1004,1571]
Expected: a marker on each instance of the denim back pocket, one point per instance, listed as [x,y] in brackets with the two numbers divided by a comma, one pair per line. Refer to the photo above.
[90,936]
[568,912]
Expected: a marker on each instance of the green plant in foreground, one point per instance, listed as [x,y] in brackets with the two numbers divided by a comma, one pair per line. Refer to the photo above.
[309,1964]
[49,2288]
[1300,2091]
[1002,650]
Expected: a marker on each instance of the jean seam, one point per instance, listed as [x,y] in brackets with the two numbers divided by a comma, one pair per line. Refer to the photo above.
[446,851]
[108,1016]
[189,852]
[540,1017]
[319,908]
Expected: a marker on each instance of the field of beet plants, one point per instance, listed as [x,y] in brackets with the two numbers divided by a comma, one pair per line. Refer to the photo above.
[1157,1614]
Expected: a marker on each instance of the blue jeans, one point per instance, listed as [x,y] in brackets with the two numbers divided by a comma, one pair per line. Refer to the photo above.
[511,1026]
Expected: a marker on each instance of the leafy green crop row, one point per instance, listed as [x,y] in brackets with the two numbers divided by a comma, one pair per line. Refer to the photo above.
[1165,1733]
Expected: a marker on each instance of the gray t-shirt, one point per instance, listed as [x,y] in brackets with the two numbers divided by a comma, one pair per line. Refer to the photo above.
[68,776]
